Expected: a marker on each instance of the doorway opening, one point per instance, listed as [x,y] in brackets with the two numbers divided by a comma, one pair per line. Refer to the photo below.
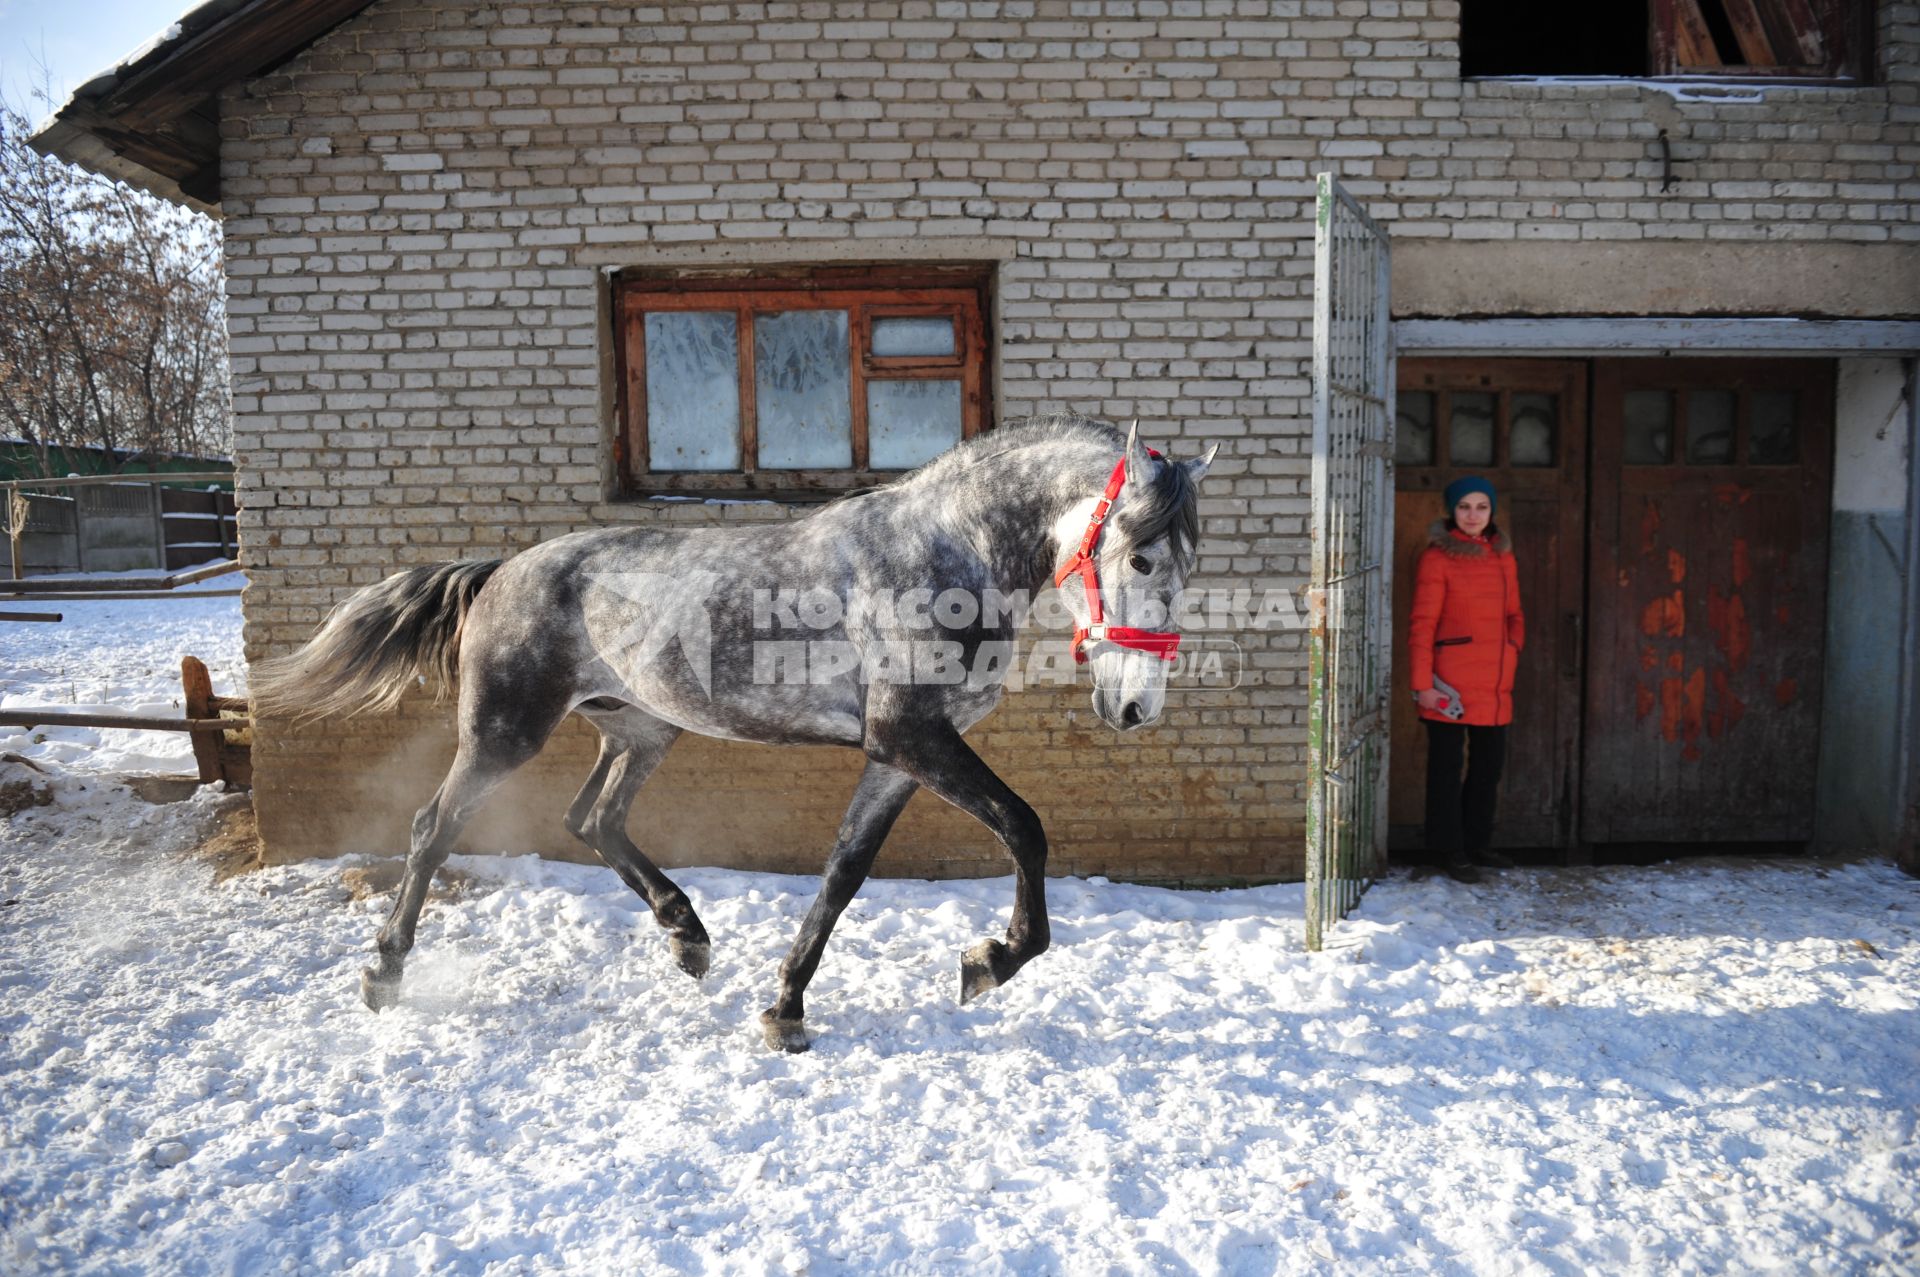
[1670,521]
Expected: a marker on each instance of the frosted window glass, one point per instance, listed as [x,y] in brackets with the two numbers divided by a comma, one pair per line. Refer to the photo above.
[1710,427]
[1472,428]
[1648,418]
[909,423]
[1413,429]
[919,335]
[693,391]
[803,390]
[1531,427]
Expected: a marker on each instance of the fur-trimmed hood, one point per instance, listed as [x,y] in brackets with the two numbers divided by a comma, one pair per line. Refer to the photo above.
[1463,547]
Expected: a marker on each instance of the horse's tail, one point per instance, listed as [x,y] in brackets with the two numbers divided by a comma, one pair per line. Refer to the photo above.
[375,645]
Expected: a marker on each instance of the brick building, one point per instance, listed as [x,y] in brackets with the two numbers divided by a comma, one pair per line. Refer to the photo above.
[442,220]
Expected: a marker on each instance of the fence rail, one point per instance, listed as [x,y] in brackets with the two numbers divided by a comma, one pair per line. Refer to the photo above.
[221,726]
[128,585]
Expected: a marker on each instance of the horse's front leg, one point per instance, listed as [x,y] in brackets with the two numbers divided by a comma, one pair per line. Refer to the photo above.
[877,802]
[936,756]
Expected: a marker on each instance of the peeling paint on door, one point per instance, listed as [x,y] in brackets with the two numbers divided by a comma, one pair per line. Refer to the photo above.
[1665,617]
[1727,618]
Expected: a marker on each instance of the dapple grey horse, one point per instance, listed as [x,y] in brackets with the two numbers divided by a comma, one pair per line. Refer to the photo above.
[647,633]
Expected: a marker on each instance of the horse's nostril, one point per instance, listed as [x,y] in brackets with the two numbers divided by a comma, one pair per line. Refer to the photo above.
[1131,714]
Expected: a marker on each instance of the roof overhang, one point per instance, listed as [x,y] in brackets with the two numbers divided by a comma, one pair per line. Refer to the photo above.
[153,120]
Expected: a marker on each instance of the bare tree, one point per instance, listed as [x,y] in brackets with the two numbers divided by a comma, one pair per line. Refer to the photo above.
[113,328]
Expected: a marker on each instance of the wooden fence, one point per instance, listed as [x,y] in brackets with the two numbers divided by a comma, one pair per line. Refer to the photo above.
[118,524]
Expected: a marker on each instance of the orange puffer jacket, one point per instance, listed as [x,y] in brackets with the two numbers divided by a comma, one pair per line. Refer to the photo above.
[1467,627]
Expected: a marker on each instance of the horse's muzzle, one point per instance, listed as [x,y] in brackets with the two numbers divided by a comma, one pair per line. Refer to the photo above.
[1122,716]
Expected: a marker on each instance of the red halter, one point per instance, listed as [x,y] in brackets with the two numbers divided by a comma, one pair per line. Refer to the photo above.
[1163,644]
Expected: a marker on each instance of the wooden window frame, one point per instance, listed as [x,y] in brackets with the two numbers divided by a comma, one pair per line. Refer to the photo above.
[1500,377]
[866,293]
[1743,379]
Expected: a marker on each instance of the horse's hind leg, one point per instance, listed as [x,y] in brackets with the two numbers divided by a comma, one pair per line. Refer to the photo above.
[474,775]
[631,746]
[876,804]
[503,722]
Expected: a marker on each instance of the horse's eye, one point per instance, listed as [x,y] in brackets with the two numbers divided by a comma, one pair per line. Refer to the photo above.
[1140,563]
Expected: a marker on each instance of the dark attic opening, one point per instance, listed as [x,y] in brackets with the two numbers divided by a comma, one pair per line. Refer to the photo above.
[1524,37]
[1785,39]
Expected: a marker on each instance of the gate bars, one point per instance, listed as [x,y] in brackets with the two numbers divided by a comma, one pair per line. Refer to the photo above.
[1350,590]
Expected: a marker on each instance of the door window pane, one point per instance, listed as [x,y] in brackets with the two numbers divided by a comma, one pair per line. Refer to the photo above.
[909,423]
[913,335]
[803,390]
[1471,439]
[1534,423]
[1413,429]
[1710,428]
[1648,419]
[693,390]
[1770,432]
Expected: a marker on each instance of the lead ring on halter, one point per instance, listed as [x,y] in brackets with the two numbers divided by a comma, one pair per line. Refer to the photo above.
[1162,643]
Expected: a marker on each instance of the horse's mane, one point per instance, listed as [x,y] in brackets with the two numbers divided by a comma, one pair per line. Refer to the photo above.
[1021,432]
[1171,509]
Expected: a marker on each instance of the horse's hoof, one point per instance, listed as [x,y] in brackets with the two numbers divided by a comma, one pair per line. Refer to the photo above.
[378,994]
[783,1035]
[980,969]
[692,956]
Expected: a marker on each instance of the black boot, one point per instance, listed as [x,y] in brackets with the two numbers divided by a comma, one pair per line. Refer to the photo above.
[1460,869]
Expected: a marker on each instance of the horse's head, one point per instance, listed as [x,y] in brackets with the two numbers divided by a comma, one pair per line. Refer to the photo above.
[1141,557]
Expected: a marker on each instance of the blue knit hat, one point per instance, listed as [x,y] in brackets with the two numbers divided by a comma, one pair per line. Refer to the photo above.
[1467,483]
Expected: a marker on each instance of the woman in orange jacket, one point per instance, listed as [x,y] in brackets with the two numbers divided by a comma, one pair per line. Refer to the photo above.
[1466,632]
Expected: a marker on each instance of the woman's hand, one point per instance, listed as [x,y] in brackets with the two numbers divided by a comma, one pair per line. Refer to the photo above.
[1431,701]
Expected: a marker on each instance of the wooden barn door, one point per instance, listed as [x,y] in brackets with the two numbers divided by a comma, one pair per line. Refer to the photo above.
[1711,487]
[1523,424]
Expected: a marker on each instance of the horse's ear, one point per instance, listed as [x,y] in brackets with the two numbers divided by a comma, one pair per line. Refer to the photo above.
[1138,470]
[1197,468]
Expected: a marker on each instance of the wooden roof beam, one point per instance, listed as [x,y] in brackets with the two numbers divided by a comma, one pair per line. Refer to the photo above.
[242,44]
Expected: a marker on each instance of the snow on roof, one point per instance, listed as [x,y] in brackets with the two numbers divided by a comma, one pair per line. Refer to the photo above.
[98,85]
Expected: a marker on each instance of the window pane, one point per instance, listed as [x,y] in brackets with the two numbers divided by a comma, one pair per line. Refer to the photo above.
[1533,425]
[1648,418]
[803,390]
[1710,427]
[916,335]
[1413,429]
[909,423]
[1771,436]
[1471,441]
[693,391]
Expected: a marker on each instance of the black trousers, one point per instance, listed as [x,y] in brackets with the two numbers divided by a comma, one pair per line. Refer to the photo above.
[1460,816]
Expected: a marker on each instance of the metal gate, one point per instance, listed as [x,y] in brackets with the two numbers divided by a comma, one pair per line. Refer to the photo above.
[1350,593]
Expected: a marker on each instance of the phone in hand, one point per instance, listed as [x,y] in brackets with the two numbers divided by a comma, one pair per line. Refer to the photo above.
[1453,709]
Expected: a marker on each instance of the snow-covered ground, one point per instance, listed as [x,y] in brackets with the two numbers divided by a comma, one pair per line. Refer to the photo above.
[1704,1067]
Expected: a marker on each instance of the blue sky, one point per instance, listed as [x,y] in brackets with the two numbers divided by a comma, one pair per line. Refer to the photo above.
[75,38]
